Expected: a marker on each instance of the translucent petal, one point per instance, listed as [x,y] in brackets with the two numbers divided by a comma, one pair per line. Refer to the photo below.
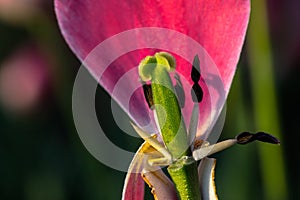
[218,26]
[206,172]
[162,187]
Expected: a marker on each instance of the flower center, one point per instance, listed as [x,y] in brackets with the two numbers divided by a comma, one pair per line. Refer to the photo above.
[167,99]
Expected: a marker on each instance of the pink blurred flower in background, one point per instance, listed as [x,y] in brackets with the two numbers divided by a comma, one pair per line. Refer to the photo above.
[19,11]
[24,77]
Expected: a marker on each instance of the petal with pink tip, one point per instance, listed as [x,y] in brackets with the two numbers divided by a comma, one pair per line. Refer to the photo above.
[162,187]
[134,183]
[133,187]
[219,26]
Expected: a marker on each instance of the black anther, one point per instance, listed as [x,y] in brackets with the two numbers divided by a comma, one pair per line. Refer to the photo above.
[197,93]
[195,74]
[246,137]
[179,91]
[148,94]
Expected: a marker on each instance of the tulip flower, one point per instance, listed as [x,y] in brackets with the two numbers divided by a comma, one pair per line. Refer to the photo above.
[219,27]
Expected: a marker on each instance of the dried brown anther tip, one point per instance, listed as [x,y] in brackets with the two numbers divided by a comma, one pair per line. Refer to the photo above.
[246,137]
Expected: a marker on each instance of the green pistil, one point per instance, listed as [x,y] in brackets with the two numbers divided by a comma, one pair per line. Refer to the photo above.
[170,121]
[168,113]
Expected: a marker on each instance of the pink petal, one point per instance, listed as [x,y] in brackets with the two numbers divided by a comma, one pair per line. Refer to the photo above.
[134,184]
[162,187]
[219,26]
[133,187]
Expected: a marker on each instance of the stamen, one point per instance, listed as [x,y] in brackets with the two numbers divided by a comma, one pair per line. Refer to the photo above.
[193,123]
[179,91]
[198,154]
[243,138]
[196,74]
[197,96]
[246,137]
[158,146]
[148,95]
[161,162]
[197,93]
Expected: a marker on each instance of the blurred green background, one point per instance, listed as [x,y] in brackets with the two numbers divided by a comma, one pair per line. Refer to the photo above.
[42,156]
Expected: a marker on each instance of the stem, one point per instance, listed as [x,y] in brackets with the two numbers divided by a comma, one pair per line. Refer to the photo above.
[185,179]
